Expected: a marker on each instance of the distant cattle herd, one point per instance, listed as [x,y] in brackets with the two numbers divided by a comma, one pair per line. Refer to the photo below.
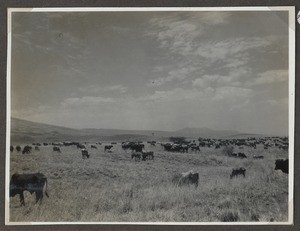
[37,182]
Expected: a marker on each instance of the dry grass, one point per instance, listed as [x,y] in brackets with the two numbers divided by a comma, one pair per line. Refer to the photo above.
[112,187]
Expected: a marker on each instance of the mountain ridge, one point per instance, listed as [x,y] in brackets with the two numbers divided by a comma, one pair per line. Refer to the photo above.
[29,131]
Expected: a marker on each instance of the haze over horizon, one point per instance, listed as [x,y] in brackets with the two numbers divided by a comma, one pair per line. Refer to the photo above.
[152,70]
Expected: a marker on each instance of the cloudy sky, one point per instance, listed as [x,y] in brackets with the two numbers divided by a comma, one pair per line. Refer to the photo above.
[152,70]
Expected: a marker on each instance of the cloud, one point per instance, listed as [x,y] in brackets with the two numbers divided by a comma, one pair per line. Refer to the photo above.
[100,89]
[269,77]
[86,101]
[176,74]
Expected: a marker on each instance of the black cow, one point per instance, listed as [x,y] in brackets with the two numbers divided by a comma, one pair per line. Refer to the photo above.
[258,157]
[35,182]
[149,155]
[283,165]
[11,148]
[26,149]
[56,149]
[238,171]
[36,148]
[18,148]
[94,147]
[108,147]
[188,178]
[85,153]
[241,155]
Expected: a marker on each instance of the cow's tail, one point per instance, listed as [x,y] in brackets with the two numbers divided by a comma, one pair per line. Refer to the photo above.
[46,193]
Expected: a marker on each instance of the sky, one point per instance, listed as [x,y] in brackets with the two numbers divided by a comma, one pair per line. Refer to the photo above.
[152,70]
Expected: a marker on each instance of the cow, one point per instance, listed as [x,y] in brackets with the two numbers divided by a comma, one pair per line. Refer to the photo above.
[45,144]
[189,178]
[149,155]
[94,147]
[238,171]
[241,155]
[113,143]
[18,148]
[56,149]
[136,155]
[36,148]
[108,147]
[85,153]
[26,149]
[11,148]
[282,165]
[35,182]
[258,157]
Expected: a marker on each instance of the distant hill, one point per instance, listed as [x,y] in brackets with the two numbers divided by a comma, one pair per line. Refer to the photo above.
[23,131]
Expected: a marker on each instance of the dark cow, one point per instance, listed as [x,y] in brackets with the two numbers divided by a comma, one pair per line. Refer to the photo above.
[26,149]
[35,182]
[36,148]
[94,147]
[258,157]
[107,147]
[56,149]
[188,178]
[18,148]
[241,155]
[85,153]
[113,142]
[11,148]
[283,165]
[136,155]
[45,144]
[238,171]
[149,155]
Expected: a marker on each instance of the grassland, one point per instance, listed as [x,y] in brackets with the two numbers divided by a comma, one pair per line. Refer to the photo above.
[111,187]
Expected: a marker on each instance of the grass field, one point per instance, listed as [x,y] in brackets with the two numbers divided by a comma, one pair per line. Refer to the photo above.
[112,187]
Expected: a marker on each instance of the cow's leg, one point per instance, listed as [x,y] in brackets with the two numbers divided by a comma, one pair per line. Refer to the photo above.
[38,196]
[22,199]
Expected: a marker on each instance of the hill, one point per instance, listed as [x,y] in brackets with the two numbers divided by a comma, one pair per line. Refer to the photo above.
[23,131]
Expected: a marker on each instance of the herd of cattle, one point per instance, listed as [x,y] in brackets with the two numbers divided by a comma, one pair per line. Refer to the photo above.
[37,182]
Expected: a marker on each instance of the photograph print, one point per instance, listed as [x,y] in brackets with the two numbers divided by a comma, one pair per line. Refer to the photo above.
[150,115]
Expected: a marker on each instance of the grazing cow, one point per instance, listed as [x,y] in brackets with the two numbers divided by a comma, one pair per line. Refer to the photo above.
[35,182]
[241,155]
[94,147]
[45,144]
[36,148]
[149,155]
[188,178]
[258,157]
[113,142]
[136,155]
[56,149]
[18,148]
[85,153]
[238,171]
[107,147]
[26,149]
[11,148]
[283,165]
